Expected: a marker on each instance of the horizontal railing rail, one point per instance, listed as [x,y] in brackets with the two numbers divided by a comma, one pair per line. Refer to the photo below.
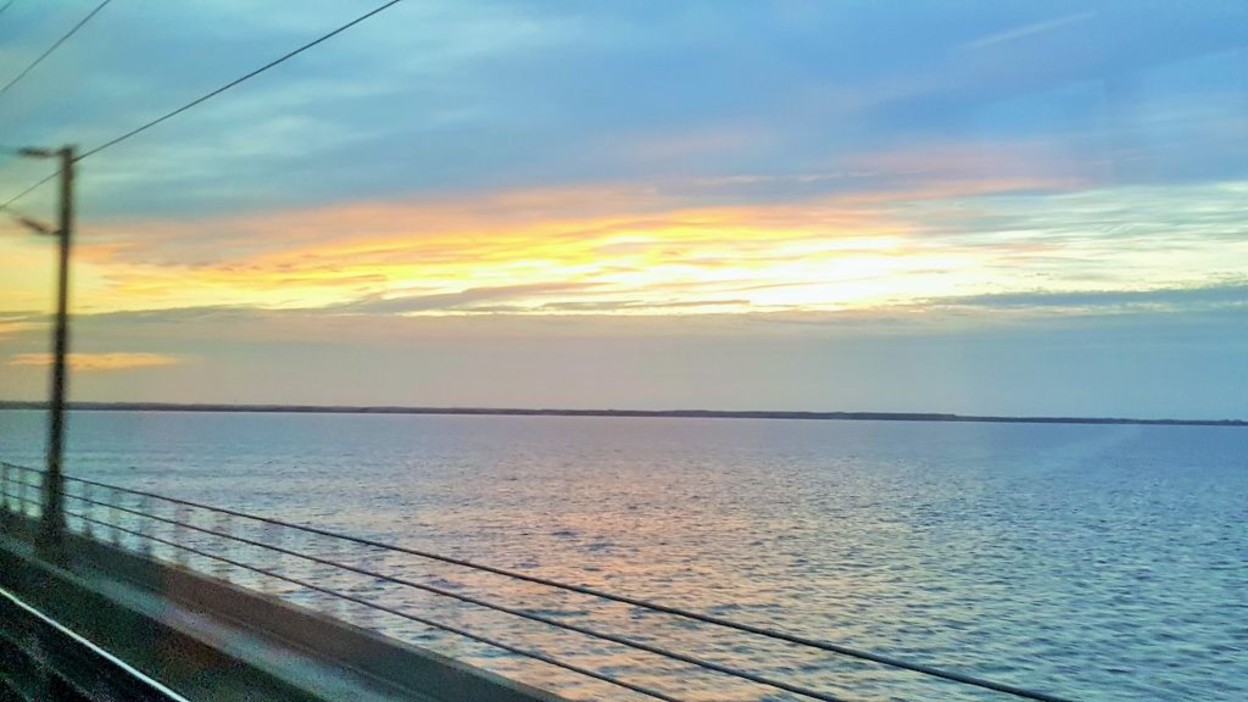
[48,644]
[138,520]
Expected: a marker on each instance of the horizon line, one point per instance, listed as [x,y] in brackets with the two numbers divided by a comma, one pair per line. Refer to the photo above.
[566,412]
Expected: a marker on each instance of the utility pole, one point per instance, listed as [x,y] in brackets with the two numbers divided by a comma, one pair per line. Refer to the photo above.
[54,481]
[53,526]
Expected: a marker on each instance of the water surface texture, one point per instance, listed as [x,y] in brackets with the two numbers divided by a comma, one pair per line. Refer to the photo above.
[1095,562]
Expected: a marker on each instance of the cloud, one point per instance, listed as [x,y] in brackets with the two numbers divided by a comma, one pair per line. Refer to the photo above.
[1028,30]
[439,97]
[1046,163]
[19,324]
[200,331]
[87,362]
[639,249]
[1165,298]
[469,299]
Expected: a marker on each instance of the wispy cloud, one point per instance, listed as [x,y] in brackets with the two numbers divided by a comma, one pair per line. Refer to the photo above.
[18,324]
[470,299]
[578,245]
[550,252]
[88,362]
[1235,295]
[1027,30]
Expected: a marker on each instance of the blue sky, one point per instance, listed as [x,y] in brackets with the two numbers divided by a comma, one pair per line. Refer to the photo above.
[1023,208]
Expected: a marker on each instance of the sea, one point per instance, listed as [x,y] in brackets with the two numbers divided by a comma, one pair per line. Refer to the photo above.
[1094,562]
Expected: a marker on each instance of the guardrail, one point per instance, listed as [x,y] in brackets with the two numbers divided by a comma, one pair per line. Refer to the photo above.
[633,644]
[84,670]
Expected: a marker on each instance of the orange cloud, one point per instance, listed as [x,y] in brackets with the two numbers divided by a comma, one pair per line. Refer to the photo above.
[625,250]
[512,263]
[99,361]
[15,326]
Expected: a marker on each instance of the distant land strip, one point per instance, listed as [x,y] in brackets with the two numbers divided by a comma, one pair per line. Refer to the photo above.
[699,414]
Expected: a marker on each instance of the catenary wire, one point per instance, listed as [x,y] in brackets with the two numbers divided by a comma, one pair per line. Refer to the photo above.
[55,45]
[209,95]
[30,189]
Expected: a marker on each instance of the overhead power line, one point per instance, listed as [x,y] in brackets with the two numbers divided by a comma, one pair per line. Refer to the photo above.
[6,6]
[14,151]
[205,96]
[208,96]
[56,45]
[28,190]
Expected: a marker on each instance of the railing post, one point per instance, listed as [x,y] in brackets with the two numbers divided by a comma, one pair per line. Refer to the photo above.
[114,516]
[181,515]
[367,616]
[272,536]
[9,503]
[145,525]
[30,504]
[17,490]
[331,601]
[220,568]
[88,510]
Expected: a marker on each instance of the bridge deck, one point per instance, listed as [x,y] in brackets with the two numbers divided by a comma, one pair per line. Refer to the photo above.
[208,640]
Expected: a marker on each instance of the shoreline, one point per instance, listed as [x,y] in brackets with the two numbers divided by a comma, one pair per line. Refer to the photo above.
[682,414]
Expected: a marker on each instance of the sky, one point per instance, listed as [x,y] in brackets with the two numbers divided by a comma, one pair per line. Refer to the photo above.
[1023,208]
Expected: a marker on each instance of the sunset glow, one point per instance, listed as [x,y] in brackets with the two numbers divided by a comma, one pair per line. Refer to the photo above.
[964,176]
[462,258]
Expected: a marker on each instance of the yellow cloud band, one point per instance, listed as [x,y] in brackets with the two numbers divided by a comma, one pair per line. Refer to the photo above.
[99,361]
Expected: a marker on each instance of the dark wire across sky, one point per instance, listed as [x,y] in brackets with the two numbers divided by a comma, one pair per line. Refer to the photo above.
[51,49]
[184,108]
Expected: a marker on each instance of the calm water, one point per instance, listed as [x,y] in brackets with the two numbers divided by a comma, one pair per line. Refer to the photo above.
[1098,562]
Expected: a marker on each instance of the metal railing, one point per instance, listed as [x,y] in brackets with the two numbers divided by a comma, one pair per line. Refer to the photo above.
[632,644]
[46,643]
